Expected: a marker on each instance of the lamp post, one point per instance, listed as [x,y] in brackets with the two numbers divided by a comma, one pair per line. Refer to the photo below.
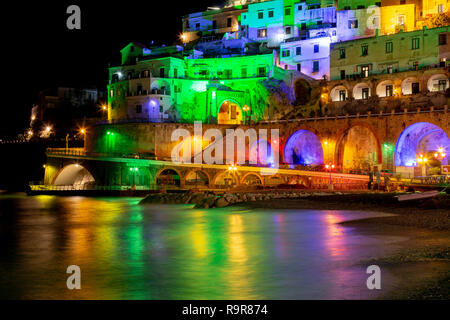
[422,161]
[245,109]
[83,132]
[330,167]
[232,170]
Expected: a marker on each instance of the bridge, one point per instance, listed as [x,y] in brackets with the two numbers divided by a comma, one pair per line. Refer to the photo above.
[127,154]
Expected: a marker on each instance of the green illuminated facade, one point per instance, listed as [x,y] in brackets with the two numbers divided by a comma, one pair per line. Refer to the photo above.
[177,88]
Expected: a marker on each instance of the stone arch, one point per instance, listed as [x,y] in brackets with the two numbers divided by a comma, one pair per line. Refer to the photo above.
[420,137]
[225,179]
[229,112]
[274,180]
[339,93]
[358,148]
[358,91]
[302,91]
[74,175]
[167,176]
[197,177]
[250,178]
[436,82]
[382,88]
[411,85]
[303,147]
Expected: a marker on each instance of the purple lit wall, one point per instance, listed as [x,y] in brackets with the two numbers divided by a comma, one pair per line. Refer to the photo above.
[422,137]
[303,148]
[262,151]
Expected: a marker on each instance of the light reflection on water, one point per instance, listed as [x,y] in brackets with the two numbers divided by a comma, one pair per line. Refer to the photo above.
[127,251]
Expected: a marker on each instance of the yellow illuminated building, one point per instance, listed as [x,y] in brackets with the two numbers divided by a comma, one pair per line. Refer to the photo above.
[433,7]
[397,18]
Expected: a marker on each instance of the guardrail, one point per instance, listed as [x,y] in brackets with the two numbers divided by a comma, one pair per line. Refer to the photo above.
[90,188]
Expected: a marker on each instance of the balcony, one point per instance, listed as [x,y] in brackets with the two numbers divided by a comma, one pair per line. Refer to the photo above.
[161,92]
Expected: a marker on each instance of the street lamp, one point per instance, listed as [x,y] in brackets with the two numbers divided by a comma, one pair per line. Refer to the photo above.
[422,161]
[232,169]
[330,167]
[83,132]
[245,109]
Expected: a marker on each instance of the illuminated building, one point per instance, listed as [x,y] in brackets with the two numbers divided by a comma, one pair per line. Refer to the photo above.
[228,56]
[389,54]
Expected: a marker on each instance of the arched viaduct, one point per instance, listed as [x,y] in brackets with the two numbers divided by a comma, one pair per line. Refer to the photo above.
[140,153]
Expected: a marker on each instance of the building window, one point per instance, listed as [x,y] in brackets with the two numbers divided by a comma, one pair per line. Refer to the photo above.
[389,91]
[261,71]
[364,71]
[214,26]
[271,13]
[300,8]
[229,23]
[287,11]
[402,1]
[244,72]
[365,93]
[288,30]
[315,66]
[203,73]
[138,108]
[342,74]
[299,67]
[389,47]
[316,48]
[364,50]
[442,62]
[342,53]
[389,69]
[442,39]
[415,43]
[342,94]
[260,14]
[262,33]
[286,53]
[298,51]
[228,73]
[285,67]
[353,24]
[442,84]
[440,8]
[162,72]
[175,73]
[111,93]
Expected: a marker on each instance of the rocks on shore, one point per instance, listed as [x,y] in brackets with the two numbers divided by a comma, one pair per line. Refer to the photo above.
[207,200]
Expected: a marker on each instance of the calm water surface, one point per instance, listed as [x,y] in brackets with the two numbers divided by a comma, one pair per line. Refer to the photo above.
[127,251]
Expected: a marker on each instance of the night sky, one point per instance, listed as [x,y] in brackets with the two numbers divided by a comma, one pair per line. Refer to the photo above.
[42,53]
